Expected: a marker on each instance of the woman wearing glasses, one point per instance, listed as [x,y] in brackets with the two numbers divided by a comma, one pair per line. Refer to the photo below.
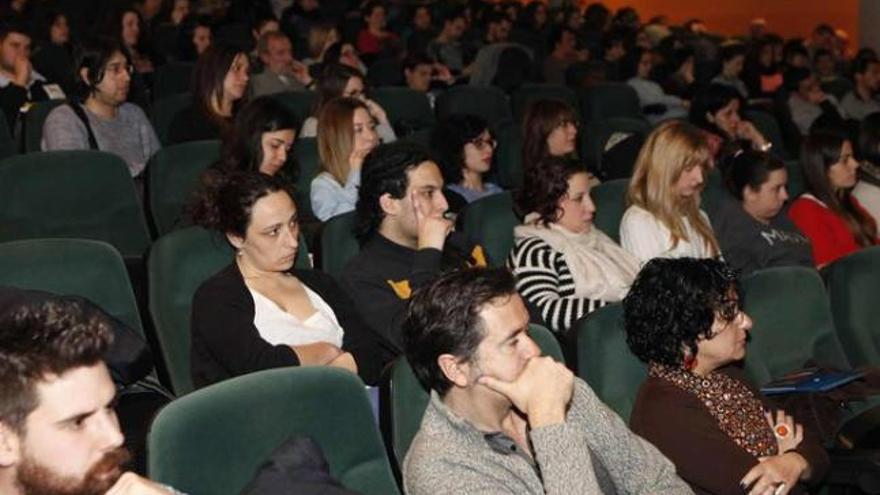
[464,148]
[101,119]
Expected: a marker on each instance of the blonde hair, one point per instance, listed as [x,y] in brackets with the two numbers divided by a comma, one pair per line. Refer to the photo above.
[671,149]
[336,136]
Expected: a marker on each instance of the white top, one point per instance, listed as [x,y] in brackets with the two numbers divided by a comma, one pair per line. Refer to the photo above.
[330,198]
[278,327]
[384,130]
[869,197]
[646,238]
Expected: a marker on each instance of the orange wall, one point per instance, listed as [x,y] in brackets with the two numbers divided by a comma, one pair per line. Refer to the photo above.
[788,18]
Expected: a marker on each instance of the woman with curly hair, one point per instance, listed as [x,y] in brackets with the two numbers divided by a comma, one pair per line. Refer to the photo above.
[260,311]
[550,128]
[828,213]
[664,218]
[464,148]
[683,318]
[564,266]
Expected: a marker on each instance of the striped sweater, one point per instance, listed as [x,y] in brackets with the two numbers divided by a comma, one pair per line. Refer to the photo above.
[544,279]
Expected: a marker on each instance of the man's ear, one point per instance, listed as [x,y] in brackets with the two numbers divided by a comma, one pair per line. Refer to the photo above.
[84,75]
[10,447]
[710,118]
[389,205]
[454,369]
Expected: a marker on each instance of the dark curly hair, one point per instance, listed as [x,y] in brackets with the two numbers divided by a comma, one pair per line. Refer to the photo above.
[384,171]
[243,147]
[444,318]
[43,338]
[673,303]
[548,183]
[448,140]
[225,200]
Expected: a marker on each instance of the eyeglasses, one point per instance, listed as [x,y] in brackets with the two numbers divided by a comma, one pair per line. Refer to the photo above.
[481,143]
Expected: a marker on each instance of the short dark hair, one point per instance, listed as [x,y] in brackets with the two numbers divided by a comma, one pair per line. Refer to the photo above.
[225,201]
[448,140]
[384,172]
[548,183]
[93,54]
[673,303]
[748,168]
[731,51]
[861,65]
[710,100]
[444,318]
[45,338]
[242,149]
[9,26]
[416,58]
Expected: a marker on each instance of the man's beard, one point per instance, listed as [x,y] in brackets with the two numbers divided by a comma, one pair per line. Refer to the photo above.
[38,479]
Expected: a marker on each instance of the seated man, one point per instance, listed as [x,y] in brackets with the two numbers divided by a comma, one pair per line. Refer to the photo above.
[405,238]
[503,419]
[280,71]
[104,121]
[58,429]
[419,71]
[808,102]
[20,84]
[862,100]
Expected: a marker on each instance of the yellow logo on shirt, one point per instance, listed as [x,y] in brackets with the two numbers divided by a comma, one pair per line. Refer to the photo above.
[479,257]
[402,288]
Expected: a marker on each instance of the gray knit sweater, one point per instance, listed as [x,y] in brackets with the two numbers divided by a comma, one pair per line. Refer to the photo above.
[592,452]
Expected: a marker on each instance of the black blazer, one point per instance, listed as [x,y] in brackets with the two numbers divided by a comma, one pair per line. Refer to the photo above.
[225,342]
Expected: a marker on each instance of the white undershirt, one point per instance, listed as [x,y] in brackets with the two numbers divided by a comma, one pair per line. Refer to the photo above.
[277,326]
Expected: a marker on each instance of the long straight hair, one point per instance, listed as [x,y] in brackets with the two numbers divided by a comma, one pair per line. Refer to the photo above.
[336,136]
[820,151]
[668,151]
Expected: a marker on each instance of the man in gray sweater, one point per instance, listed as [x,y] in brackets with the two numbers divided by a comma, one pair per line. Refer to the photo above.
[503,419]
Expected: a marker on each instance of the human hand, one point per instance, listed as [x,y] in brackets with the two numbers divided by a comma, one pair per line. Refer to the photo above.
[816,96]
[794,433]
[300,71]
[431,226]
[542,391]
[132,484]
[345,361]
[317,354]
[356,160]
[775,475]
[375,110]
[746,130]
[443,74]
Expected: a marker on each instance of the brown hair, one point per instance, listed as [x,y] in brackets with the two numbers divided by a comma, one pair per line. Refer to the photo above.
[336,136]
[542,117]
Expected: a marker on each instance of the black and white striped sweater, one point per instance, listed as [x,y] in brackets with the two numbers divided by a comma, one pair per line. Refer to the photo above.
[544,279]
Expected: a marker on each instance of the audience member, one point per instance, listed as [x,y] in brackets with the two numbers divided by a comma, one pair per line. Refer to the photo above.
[635,69]
[180,10]
[733,57]
[59,433]
[264,133]
[405,238]
[336,81]
[20,84]
[502,418]
[807,101]
[447,48]
[862,100]
[53,55]
[321,36]
[680,81]
[828,214]
[281,72]
[129,27]
[753,228]
[220,81]
[464,147]
[375,39]
[420,70]
[715,110]
[194,36]
[346,134]
[344,53]
[762,74]
[684,320]
[563,53]
[550,128]
[825,66]
[100,118]
[663,218]
[867,190]
[795,55]
[260,312]
[565,266]
[421,30]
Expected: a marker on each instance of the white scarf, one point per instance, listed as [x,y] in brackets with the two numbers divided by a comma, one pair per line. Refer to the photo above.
[600,268]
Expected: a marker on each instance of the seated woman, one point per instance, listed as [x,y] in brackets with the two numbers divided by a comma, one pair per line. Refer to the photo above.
[342,81]
[346,133]
[194,36]
[564,266]
[753,230]
[464,148]
[635,69]
[715,110]
[664,218]
[375,40]
[550,128]
[683,318]
[867,191]
[263,135]
[220,81]
[828,214]
[260,312]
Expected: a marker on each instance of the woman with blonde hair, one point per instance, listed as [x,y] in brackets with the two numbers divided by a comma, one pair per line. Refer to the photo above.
[664,219]
[346,133]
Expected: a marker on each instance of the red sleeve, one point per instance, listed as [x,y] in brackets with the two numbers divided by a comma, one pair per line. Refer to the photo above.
[823,228]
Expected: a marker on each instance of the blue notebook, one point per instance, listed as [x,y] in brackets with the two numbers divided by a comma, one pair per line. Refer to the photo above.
[810,380]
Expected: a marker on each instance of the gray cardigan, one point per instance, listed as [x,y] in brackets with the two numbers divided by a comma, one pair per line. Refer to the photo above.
[592,452]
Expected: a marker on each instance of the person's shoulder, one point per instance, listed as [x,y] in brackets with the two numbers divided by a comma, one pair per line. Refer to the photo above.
[62,112]
[635,213]
[225,282]
[806,204]
[132,110]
